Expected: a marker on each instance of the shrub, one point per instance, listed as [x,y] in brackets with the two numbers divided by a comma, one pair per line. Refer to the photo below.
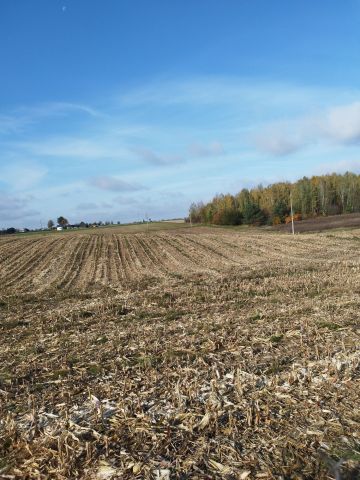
[297,218]
[276,220]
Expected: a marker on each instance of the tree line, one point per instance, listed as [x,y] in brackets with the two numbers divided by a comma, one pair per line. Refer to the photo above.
[61,222]
[64,222]
[319,195]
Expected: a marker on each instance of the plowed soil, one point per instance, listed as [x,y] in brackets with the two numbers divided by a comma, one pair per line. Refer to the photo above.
[319,224]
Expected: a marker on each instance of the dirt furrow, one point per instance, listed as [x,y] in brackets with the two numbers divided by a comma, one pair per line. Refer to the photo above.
[72,262]
[12,258]
[111,274]
[24,271]
[150,262]
[177,258]
[78,263]
[134,261]
[87,273]
[123,255]
[156,251]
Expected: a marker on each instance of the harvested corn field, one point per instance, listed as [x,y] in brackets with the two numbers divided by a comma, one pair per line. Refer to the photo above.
[190,354]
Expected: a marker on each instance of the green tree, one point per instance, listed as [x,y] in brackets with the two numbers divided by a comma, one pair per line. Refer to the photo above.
[62,221]
[253,215]
[50,224]
[280,210]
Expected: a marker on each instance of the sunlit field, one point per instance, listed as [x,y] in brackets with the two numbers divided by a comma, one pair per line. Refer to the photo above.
[176,353]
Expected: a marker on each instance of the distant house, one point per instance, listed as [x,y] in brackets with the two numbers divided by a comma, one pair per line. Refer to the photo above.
[59,229]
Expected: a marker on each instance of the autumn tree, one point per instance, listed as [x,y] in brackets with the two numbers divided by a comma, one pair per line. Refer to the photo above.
[319,195]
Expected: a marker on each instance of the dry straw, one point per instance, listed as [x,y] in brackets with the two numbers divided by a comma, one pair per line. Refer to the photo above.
[203,355]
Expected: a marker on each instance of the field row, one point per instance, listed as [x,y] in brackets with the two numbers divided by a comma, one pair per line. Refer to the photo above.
[83,260]
[214,354]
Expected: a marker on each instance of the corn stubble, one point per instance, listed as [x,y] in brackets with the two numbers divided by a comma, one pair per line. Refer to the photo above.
[203,355]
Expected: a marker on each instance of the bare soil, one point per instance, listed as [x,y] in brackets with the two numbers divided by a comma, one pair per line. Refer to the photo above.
[318,224]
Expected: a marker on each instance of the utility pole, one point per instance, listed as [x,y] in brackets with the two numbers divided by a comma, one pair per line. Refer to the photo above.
[292,215]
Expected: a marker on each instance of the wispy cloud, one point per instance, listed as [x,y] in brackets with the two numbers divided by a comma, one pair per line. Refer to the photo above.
[231,95]
[18,118]
[153,158]
[58,109]
[87,206]
[195,135]
[216,90]
[342,123]
[278,140]
[340,166]
[113,184]
[339,124]
[10,124]
[22,175]
[64,147]
[206,150]
[13,208]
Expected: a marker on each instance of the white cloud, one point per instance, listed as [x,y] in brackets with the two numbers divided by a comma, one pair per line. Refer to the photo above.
[13,208]
[339,124]
[87,206]
[343,123]
[206,150]
[279,140]
[113,184]
[153,158]
[219,90]
[17,119]
[10,124]
[51,109]
[340,166]
[22,175]
[81,148]
[143,143]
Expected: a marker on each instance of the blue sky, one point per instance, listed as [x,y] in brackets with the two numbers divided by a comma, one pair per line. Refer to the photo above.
[114,110]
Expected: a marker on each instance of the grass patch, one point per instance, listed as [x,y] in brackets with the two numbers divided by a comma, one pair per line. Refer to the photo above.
[145,315]
[101,340]
[173,315]
[14,324]
[86,314]
[61,373]
[94,370]
[329,325]
[276,338]
[146,361]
